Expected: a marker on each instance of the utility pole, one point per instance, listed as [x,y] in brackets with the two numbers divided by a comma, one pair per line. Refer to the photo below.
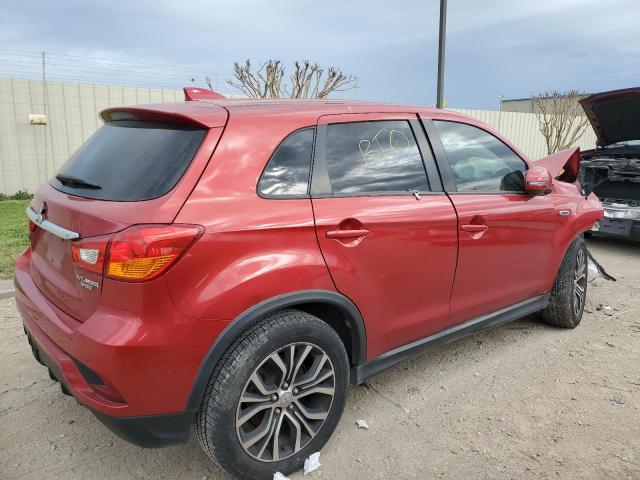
[443,28]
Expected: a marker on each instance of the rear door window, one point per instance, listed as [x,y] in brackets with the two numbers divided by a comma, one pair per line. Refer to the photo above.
[287,173]
[130,161]
[378,157]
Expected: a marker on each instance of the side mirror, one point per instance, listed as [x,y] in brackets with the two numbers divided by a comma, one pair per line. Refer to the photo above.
[537,181]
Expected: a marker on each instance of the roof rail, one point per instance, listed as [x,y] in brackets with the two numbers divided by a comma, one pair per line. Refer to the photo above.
[195,93]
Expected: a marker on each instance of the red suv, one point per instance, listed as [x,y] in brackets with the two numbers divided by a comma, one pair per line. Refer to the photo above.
[234,264]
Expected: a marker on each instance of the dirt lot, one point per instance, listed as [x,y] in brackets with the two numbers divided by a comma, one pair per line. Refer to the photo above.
[520,401]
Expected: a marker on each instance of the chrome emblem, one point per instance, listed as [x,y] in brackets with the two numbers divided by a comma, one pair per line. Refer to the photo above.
[42,212]
[86,283]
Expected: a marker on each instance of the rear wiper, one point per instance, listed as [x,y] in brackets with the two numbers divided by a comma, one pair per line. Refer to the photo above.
[76,182]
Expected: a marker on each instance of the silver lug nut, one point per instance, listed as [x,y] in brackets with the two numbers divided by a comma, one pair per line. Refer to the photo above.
[296,390]
[277,411]
[285,385]
[291,407]
[274,397]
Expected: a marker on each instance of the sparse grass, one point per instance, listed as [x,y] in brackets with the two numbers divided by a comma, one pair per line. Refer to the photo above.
[14,234]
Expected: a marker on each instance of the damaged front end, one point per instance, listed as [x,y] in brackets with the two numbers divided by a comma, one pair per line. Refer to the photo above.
[612,170]
[615,179]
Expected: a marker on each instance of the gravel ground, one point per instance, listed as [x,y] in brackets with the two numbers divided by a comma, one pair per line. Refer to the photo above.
[519,401]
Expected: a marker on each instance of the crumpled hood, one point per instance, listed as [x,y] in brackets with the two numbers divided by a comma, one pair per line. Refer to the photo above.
[563,165]
[614,115]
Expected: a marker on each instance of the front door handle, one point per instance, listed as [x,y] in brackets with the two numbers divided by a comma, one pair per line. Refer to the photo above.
[473,228]
[356,233]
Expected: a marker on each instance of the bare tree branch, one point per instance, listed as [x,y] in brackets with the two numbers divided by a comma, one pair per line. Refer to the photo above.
[559,118]
[307,80]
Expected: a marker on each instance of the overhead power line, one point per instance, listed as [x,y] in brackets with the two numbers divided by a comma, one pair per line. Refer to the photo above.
[95,70]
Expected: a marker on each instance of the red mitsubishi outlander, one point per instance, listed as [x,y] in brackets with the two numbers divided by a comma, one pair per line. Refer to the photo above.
[232,265]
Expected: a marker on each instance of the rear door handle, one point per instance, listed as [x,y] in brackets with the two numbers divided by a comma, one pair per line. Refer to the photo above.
[361,232]
[474,228]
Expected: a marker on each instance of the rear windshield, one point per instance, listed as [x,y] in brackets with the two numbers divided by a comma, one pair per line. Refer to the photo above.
[129,161]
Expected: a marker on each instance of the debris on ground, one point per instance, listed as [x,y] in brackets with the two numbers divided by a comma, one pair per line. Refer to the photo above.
[279,476]
[362,424]
[592,271]
[618,400]
[599,267]
[608,310]
[312,463]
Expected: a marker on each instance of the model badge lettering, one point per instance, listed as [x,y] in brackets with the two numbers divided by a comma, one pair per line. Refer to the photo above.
[87,283]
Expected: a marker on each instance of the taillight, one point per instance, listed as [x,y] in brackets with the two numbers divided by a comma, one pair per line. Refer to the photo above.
[139,253]
[143,252]
[89,254]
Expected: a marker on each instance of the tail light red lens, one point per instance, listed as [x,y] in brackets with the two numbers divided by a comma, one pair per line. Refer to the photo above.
[89,254]
[143,252]
[136,254]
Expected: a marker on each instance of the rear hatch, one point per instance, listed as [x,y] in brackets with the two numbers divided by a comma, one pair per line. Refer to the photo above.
[139,168]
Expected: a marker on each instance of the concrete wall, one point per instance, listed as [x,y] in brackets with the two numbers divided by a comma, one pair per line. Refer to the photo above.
[30,154]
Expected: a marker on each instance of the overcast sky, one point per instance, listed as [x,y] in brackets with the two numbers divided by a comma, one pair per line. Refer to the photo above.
[497,47]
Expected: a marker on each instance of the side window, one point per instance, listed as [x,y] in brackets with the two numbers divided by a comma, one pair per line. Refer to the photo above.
[479,161]
[287,173]
[373,157]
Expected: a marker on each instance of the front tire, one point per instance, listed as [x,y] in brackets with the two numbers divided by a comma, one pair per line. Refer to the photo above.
[275,397]
[569,292]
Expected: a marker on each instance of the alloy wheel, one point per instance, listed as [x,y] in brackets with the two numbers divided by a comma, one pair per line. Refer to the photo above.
[285,402]
[579,283]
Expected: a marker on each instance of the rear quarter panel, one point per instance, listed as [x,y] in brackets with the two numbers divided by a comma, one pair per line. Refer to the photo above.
[253,248]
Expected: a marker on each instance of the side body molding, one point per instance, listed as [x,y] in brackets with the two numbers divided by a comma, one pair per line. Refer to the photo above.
[245,320]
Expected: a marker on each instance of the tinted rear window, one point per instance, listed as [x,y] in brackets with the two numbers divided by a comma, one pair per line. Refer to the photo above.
[131,161]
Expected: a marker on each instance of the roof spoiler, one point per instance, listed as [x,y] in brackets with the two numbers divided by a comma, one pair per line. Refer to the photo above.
[194,93]
[147,114]
[563,165]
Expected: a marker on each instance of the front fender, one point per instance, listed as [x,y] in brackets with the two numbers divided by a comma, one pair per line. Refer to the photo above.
[583,213]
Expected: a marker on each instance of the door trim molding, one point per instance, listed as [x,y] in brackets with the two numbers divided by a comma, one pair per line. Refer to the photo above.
[361,373]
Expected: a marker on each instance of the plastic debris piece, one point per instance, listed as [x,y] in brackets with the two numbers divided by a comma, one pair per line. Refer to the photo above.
[312,463]
[279,476]
[592,271]
[608,310]
[362,424]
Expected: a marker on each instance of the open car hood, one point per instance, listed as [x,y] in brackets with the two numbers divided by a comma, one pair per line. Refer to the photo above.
[614,115]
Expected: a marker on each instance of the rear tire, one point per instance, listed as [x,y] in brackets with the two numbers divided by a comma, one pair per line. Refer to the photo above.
[297,397]
[569,291]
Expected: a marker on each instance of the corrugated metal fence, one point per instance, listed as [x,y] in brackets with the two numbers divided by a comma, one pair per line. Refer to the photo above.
[29,154]
[522,130]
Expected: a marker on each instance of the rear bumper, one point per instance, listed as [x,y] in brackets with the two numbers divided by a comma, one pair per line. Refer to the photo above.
[149,356]
[145,431]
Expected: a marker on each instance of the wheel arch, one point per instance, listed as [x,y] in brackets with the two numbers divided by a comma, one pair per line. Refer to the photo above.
[333,308]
